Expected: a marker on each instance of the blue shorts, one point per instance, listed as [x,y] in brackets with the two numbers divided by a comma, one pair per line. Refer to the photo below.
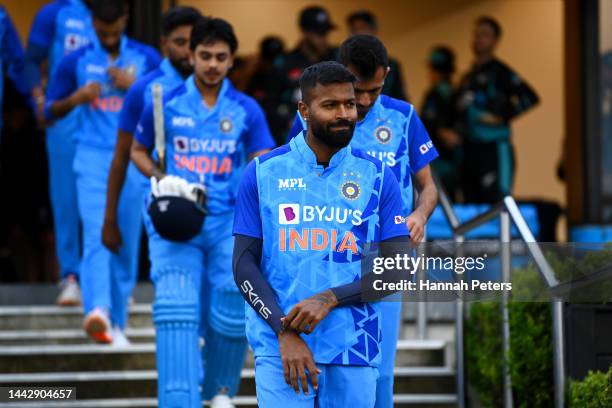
[339,386]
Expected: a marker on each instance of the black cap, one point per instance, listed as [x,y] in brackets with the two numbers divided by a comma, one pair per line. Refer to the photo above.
[316,19]
[176,218]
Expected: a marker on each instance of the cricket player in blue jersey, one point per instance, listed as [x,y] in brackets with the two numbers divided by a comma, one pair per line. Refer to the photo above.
[95,79]
[390,130]
[59,28]
[304,215]
[11,57]
[211,130]
[171,73]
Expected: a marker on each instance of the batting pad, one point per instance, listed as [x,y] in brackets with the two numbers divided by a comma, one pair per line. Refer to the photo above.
[226,343]
[176,319]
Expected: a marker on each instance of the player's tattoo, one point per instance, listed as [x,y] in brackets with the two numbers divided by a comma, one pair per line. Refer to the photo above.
[326,298]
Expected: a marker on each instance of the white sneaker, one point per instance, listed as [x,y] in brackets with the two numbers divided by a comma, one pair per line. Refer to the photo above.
[119,338]
[98,326]
[221,401]
[70,294]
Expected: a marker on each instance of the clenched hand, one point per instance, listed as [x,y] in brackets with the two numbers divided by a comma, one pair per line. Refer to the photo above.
[121,78]
[87,93]
[307,314]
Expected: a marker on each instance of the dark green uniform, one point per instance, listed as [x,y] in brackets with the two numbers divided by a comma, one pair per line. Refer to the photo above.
[437,113]
[492,88]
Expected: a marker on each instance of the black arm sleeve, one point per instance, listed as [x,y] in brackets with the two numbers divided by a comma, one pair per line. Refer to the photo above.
[251,282]
[356,291]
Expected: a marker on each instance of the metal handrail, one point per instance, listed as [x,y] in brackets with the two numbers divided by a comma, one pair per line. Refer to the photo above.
[508,211]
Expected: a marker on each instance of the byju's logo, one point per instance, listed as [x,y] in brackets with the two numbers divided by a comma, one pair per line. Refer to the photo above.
[181,144]
[291,184]
[288,214]
[424,148]
[399,220]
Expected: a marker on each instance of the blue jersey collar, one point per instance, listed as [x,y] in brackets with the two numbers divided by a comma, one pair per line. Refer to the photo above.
[299,144]
[195,98]
[99,48]
[169,71]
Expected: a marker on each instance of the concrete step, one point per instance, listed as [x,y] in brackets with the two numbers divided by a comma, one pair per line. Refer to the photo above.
[81,357]
[420,353]
[119,384]
[424,380]
[45,346]
[67,336]
[12,294]
[425,400]
[115,403]
[142,383]
[413,401]
[58,318]
[95,357]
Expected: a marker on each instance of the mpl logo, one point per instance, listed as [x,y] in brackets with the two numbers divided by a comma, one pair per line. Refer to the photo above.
[424,148]
[183,121]
[95,69]
[76,24]
[291,184]
[288,214]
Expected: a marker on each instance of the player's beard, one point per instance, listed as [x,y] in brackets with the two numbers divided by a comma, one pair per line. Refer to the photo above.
[338,138]
[112,49]
[182,66]
[210,81]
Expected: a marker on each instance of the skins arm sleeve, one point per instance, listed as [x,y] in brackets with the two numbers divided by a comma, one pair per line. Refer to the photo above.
[252,284]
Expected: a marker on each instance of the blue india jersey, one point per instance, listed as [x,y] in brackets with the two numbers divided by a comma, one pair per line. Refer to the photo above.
[392,132]
[209,145]
[315,223]
[11,56]
[141,93]
[99,119]
[60,28]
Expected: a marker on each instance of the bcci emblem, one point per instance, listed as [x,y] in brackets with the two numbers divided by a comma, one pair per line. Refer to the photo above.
[350,190]
[226,125]
[383,134]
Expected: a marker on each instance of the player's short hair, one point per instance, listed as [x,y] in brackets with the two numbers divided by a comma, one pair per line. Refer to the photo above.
[442,60]
[491,22]
[365,52]
[210,30]
[363,15]
[177,17]
[108,11]
[324,73]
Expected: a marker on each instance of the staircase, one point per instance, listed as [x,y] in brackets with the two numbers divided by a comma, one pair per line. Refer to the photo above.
[45,346]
